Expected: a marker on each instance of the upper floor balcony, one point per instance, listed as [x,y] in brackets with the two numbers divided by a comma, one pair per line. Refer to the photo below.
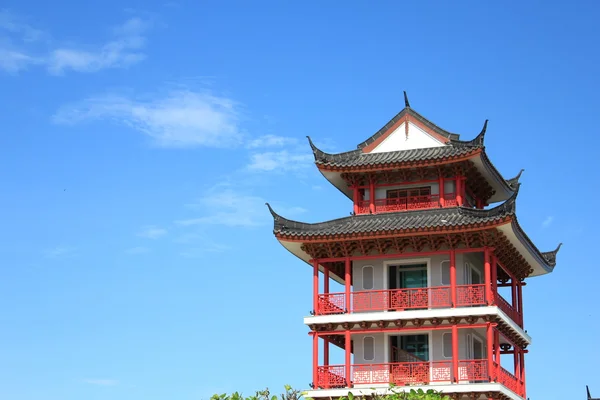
[422,195]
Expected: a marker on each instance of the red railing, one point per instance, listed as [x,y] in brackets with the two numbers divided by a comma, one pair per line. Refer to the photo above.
[331,376]
[404,373]
[406,203]
[507,379]
[450,200]
[332,303]
[401,299]
[363,207]
[470,295]
[473,370]
[509,310]
[416,373]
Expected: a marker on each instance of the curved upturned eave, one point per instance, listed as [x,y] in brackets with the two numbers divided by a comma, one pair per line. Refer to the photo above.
[505,213]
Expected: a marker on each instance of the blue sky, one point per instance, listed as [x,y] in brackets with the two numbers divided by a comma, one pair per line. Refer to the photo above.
[140,140]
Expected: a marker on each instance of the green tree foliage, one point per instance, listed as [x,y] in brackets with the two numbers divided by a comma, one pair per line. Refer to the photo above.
[394,393]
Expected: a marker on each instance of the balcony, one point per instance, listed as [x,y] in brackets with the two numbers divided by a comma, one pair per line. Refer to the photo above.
[406,203]
[411,299]
[416,373]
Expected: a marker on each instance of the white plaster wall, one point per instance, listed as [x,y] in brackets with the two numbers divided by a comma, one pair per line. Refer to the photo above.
[397,140]
[378,274]
[380,349]
[436,350]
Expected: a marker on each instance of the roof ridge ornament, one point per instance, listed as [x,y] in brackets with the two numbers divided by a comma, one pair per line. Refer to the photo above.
[550,256]
[273,213]
[317,153]
[513,181]
[477,141]
[406,103]
[508,207]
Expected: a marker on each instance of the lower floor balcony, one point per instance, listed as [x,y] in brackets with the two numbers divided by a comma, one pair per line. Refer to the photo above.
[417,374]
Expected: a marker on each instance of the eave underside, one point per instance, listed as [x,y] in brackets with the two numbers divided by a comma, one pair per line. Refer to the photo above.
[388,244]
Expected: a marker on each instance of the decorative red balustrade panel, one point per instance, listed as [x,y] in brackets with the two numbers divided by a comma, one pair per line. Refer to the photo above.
[331,376]
[473,370]
[508,309]
[510,381]
[450,200]
[332,303]
[470,295]
[363,207]
[405,373]
[401,299]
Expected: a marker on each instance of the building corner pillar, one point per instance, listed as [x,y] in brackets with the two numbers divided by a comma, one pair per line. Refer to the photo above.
[348,284]
[347,358]
[453,277]
[455,354]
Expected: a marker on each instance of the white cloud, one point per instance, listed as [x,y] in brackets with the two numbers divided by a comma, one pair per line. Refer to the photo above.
[224,206]
[209,247]
[20,48]
[102,382]
[12,24]
[137,250]
[152,232]
[59,252]
[121,52]
[283,160]
[182,118]
[547,222]
[14,61]
[270,141]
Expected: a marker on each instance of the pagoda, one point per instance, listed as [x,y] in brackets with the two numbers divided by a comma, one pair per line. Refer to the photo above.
[431,243]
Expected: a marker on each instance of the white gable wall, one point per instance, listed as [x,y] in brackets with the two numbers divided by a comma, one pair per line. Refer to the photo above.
[397,140]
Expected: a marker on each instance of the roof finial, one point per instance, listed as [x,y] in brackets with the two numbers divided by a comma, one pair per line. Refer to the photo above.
[273,213]
[406,103]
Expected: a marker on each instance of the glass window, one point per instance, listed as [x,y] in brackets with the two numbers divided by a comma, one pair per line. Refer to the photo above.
[368,279]
[445,266]
[447,345]
[369,348]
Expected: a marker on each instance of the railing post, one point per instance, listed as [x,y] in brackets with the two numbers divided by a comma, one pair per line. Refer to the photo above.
[347,283]
[490,342]
[347,362]
[453,277]
[315,360]
[488,275]
[315,287]
[455,353]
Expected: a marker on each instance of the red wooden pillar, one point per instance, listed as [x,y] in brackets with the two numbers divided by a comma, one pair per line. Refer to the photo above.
[458,189]
[453,277]
[355,197]
[347,282]
[347,362]
[513,292]
[517,362]
[455,353]
[497,347]
[325,352]
[316,287]
[488,275]
[494,278]
[315,360]
[372,195]
[490,342]
[442,191]
[326,282]
[520,302]
[522,358]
